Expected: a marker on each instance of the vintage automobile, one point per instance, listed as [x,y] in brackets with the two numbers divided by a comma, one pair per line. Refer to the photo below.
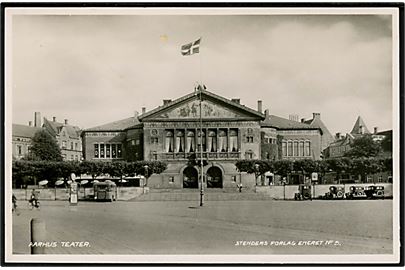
[304,193]
[375,192]
[356,192]
[335,193]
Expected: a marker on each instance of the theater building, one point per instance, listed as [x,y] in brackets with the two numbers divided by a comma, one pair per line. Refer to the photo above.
[229,132]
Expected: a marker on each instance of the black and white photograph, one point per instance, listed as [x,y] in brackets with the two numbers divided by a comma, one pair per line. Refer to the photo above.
[202,135]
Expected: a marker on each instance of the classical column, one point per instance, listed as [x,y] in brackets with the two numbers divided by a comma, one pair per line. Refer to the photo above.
[228,141]
[174,143]
[185,142]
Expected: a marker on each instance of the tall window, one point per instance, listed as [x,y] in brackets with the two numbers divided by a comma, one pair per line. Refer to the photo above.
[101,150]
[96,150]
[119,151]
[233,140]
[179,141]
[212,141]
[76,146]
[201,135]
[19,149]
[295,148]
[107,151]
[190,141]
[284,148]
[64,144]
[290,149]
[249,139]
[301,146]
[169,141]
[113,151]
[223,141]
[307,148]
[71,145]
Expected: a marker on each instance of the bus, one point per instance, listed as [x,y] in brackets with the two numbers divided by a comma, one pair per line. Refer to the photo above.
[105,191]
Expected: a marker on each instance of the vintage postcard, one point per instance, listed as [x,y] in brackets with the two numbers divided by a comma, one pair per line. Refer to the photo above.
[240,134]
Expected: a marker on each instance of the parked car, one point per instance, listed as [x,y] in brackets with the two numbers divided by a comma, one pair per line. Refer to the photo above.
[335,193]
[356,192]
[375,192]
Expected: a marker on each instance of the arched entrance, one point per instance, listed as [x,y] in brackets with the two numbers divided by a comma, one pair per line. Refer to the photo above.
[190,178]
[214,177]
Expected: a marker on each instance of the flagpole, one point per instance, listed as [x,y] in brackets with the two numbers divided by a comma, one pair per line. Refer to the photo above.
[201,152]
[201,144]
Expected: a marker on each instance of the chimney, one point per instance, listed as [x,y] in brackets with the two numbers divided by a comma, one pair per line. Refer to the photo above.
[259,106]
[166,101]
[37,119]
[143,110]
[54,119]
[30,123]
[266,113]
[375,130]
[338,135]
[66,122]
[316,115]
[293,117]
[302,120]
[236,100]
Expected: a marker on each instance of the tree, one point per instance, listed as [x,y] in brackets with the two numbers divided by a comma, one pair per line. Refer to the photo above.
[44,147]
[363,147]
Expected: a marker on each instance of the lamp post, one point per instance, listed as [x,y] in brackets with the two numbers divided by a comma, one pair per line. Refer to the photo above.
[146,167]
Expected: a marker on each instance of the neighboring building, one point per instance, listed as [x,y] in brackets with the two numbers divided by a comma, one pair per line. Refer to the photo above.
[230,132]
[22,138]
[342,144]
[316,122]
[67,137]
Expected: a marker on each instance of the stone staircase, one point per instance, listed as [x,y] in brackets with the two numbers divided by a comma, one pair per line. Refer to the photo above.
[194,195]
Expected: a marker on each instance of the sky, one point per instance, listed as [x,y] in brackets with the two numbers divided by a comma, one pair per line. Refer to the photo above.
[97,69]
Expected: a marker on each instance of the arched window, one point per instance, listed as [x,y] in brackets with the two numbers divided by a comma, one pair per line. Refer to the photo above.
[179,141]
[223,141]
[233,140]
[212,141]
[190,141]
[169,141]
[199,135]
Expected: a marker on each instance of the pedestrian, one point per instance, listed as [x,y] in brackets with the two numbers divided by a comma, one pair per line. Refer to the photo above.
[34,199]
[14,200]
[240,187]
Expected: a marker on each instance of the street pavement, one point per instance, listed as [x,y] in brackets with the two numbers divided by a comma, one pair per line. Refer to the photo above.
[219,227]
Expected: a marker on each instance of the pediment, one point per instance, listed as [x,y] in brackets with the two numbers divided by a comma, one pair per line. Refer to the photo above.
[212,108]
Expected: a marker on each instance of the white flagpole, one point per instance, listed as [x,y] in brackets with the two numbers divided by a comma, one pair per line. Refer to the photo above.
[201,142]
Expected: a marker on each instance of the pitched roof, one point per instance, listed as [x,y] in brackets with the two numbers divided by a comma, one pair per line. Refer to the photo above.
[56,127]
[357,127]
[116,125]
[203,93]
[283,123]
[24,131]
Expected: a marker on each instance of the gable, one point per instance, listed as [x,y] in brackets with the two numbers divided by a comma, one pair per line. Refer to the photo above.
[213,107]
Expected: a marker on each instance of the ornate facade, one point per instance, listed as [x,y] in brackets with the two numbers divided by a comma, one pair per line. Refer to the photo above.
[226,132]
